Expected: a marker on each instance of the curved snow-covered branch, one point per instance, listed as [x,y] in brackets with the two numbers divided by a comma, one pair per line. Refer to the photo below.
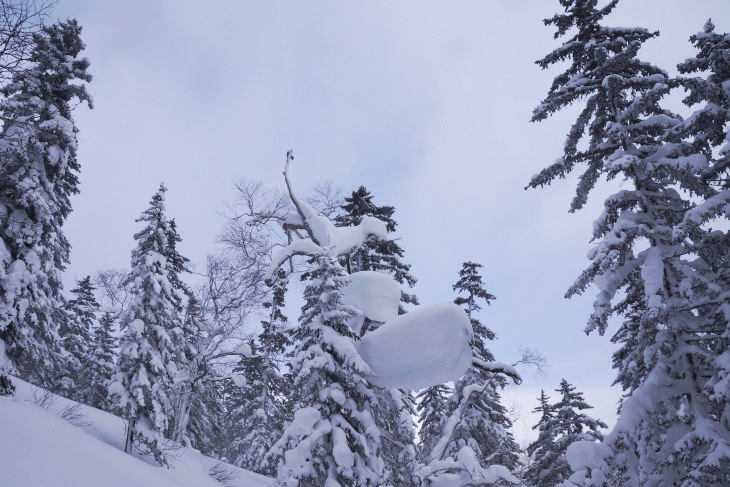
[304,210]
[498,368]
[297,247]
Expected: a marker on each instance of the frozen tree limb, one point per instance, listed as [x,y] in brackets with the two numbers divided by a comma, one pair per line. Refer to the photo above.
[499,368]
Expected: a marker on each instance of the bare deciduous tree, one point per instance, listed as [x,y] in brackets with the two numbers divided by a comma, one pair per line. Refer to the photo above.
[19,21]
[114,295]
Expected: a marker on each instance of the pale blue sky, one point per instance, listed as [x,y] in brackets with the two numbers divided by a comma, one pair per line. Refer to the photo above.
[426,103]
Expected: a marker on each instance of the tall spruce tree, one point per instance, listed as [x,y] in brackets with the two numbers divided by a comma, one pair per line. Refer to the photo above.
[101,363]
[396,407]
[431,409]
[152,334]
[705,133]
[475,419]
[76,332]
[560,425]
[700,403]
[377,254]
[540,452]
[332,438]
[394,416]
[38,175]
[656,262]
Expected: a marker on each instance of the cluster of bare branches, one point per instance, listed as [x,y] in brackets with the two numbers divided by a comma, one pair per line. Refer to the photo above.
[19,21]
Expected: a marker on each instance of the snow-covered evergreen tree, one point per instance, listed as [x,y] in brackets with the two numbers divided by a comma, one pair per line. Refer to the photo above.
[258,409]
[75,331]
[700,408]
[560,425]
[394,417]
[431,409]
[377,254]
[656,262]
[476,424]
[101,363]
[332,438]
[38,175]
[152,333]
[705,133]
[538,472]
[7,388]
[396,407]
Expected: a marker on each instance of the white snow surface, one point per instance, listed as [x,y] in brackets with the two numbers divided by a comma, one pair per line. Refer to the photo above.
[464,471]
[422,348]
[581,456]
[375,294]
[39,449]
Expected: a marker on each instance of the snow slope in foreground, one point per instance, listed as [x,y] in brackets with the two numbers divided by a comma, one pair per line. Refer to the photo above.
[39,449]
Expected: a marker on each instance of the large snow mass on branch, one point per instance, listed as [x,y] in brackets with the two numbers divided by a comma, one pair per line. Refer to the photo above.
[425,347]
[351,238]
[334,241]
[375,294]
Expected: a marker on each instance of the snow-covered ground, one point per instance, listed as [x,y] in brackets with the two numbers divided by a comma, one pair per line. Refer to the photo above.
[40,449]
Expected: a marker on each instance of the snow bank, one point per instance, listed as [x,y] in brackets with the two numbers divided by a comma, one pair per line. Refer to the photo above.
[39,449]
[423,348]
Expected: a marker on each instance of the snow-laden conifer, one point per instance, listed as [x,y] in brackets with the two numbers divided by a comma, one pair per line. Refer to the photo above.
[560,425]
[431,409]
[258,408]
[101,362]
[394,416]
[705,133]
[76,332]
[541,455]
[332,438]
[38,174]
[476,424]
[396,407]
[656,260]
[377,254]
[151,334]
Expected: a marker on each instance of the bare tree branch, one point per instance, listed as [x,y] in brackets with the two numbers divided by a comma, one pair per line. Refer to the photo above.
[533,358]
[19,21]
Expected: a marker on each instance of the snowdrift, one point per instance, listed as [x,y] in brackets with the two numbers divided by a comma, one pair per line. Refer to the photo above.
[40,449]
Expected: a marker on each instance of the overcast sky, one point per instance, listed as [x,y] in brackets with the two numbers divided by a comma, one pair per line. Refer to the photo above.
[426,103]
